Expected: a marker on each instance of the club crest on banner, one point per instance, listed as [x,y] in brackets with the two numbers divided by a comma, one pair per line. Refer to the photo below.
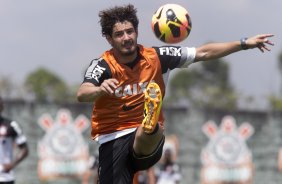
[227,158]
[62,151]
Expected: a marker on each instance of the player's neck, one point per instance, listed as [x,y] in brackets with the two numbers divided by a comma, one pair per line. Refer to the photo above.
[125,59]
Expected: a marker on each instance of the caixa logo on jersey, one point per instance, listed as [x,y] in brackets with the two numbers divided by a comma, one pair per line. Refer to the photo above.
[62,151]
[226,158]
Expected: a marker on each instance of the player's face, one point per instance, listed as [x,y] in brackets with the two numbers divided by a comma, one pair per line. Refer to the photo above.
[124,38]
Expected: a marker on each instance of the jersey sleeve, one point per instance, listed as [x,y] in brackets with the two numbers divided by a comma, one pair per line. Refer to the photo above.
[17,133]
[172,57]
[97,72]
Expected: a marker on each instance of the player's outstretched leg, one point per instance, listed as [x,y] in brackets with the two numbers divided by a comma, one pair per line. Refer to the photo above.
[152,107]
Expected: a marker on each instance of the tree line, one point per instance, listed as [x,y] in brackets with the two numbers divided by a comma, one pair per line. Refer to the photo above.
[206,85]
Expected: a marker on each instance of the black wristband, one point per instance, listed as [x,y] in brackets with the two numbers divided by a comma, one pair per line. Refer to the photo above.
[243,43]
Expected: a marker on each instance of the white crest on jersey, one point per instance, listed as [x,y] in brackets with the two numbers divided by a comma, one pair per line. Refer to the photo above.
[170,51]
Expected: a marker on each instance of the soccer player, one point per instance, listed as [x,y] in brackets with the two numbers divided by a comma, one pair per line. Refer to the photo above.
[168,171]
[10,134]
[130,76]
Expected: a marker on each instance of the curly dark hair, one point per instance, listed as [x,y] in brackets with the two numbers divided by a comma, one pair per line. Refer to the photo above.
[110,16]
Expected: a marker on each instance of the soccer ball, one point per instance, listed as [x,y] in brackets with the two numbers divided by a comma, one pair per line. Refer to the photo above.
[171,23]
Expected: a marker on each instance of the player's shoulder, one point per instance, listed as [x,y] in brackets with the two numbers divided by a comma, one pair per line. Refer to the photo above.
[98,64]
[99,60]
[98,69]
[5,121]
[10,126]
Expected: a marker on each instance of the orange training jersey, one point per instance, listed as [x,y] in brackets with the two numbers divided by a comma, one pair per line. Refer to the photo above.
[125,108]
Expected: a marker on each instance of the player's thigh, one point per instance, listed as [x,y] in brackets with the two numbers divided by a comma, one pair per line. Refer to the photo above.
[114,161]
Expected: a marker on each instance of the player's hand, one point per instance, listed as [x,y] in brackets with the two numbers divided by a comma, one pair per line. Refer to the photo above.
[260,41]
[109,85]
[7,167]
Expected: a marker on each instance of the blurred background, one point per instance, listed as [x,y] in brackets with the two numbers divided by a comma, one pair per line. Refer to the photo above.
[47,45]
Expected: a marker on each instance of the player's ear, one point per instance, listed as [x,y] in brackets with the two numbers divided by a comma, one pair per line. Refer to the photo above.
[109,39]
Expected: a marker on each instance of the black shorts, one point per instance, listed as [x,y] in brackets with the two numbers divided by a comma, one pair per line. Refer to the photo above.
[7,182]
[118,163]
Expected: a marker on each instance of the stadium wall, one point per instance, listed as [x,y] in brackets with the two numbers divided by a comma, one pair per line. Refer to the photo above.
[185,123]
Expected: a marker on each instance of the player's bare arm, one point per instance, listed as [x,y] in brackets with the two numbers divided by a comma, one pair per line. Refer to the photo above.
[88,92]
[217,50]
[22,153]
